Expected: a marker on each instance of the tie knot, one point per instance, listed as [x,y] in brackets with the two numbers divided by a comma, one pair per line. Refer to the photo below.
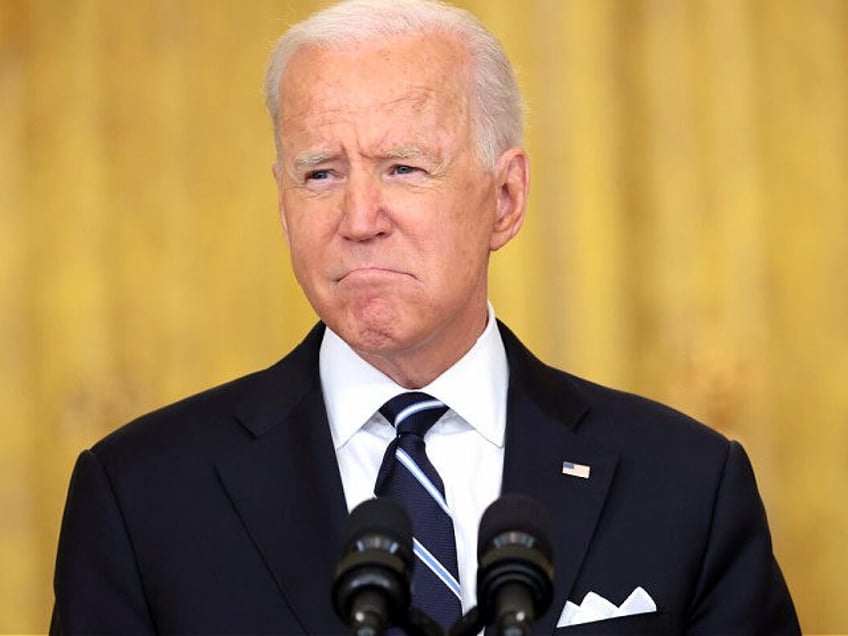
[413,412]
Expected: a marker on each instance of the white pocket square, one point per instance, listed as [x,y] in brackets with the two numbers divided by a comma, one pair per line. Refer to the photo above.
[596,608]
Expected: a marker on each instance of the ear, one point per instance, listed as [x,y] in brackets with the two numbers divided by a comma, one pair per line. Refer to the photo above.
[277,171]
[512,183]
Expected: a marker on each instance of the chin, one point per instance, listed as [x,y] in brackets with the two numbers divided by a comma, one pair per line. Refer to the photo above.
[371,324]
[370,337]
[377,325]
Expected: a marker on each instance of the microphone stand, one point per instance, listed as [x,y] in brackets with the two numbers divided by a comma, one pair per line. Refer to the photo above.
[474,622]
[418,623]
[469,625]
[415,623]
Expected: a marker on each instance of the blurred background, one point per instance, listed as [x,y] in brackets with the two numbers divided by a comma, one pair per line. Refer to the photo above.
[687,236]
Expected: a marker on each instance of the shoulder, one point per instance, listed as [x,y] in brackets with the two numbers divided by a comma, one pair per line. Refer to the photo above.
[663,454]
[207,412]
[615,419]
[625,417]
[213,420]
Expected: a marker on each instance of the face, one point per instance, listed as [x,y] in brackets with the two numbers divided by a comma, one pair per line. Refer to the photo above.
[389,214]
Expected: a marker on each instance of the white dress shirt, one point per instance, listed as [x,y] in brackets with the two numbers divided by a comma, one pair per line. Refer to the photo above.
[466,445]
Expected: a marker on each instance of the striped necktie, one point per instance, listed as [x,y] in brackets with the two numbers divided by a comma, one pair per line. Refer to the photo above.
[407,476]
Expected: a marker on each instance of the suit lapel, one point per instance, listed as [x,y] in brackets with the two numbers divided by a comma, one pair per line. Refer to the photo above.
[543,412]
[285,485]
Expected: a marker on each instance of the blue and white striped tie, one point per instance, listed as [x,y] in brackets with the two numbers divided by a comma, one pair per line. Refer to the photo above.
[407,476]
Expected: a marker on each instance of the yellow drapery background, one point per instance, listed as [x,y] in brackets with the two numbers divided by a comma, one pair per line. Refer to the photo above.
[687,235]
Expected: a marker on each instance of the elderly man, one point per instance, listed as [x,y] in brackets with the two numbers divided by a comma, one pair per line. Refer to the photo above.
[399,168]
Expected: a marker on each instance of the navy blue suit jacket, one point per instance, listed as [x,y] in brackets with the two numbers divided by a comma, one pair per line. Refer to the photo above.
[223,513]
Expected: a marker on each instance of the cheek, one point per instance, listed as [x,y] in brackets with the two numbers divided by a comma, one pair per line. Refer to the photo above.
[458,256]
[306,223]
[470,226]
[303,245]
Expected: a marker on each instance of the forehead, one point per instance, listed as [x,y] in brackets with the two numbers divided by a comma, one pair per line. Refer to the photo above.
[420,77]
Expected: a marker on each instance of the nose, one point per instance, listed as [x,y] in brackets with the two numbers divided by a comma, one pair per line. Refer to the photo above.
[364,214]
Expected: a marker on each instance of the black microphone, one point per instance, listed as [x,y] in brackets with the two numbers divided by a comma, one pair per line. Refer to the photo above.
[371,585]
[515,572]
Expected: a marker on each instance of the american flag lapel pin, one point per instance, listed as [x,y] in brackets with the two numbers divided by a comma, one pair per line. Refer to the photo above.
[576,470]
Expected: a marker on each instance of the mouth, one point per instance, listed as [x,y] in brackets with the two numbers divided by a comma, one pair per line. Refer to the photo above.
[370,272]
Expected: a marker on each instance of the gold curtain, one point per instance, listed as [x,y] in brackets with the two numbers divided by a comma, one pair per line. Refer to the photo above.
[687,235]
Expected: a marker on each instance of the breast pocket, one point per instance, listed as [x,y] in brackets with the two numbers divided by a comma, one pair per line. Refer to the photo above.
[653,623]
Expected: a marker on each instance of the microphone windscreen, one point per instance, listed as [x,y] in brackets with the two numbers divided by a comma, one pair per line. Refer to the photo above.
[379,516]
[514,513]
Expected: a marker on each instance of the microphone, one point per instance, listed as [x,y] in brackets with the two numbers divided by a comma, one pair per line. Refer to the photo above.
[371,584]
[515,572]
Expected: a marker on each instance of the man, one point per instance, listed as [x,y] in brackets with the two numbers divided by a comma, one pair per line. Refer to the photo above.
[399,169]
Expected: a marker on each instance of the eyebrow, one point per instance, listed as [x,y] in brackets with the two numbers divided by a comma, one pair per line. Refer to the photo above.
[414,152]
[405,152]
[307,160]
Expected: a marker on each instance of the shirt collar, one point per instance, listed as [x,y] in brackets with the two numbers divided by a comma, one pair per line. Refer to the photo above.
[475,387]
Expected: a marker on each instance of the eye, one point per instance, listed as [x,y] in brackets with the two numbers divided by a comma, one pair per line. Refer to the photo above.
[318,175]
[404,169]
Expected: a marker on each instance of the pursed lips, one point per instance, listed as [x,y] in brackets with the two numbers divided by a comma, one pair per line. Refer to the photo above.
[371,271]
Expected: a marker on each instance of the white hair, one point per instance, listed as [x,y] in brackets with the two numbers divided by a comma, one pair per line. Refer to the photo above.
[496,103]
